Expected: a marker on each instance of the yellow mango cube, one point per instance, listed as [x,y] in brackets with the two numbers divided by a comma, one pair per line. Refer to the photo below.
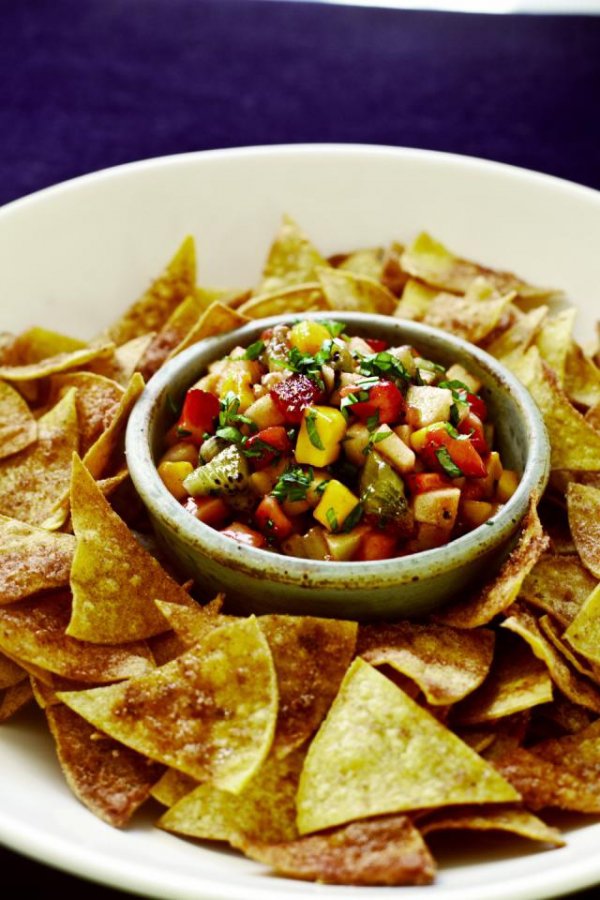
[336,504]
[173,475]
[308,336]
[507,485]
[320,436]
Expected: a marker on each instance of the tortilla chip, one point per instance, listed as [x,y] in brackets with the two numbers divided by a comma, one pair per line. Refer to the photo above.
[106,454]
[387,851]
[429,261]
[31,480]
[554,340]
[97,401]
[216,319]
[311,656]
[18,427]
[583,634]
[564,716]
[210,713]
[498,594]
[108,778]
[583,504]
[178,325]
[559,585]
[10,672]
[518,337]
[545,784]
[191,621]
[398,758]
[14,698]
[154,307]
[393,276]
[32,559]
[368,262]
[295,299]
[592,416]
[292,260]
[264,810]
[517,681]
[357,293]
[489,818]
[579,752]
[33,632]
[62,362]
[469,317]
[578,689]
[113,578]
[415,300]
[124,362]
[446,663]
[172,786]
[583,664]
[575,444]
[582,378]
[37,344]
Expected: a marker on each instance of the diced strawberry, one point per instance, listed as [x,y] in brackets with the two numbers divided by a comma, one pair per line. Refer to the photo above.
[421,482]
[461,451]
[477,406]
[472,426]
[376,345]
[212,511]
[376,545]
[200,409]
[271,519]
[244,535]
[275,437]
[293,395]
[385,401]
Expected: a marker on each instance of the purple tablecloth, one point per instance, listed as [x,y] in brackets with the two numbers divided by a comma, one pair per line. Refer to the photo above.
[84,85]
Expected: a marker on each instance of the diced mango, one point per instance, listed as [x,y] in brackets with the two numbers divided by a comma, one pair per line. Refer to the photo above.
[355,443]
[182,451]
[343,547]
[394,450]
[437,507]
[475,512]
[418,438]
[507,485]
[320,436]
[308,336]
[264,412]
[173,475]
[336,505]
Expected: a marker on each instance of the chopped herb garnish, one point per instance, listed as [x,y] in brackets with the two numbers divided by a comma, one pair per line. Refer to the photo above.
[254,350]
[372,422]
[229,414]
[458,388]
[384,364]
[311,428]
[293,484]
[320,488]
[445,461]
[335,329]
[332,518]
[183,432]
[428,365]
[230,433]
[257,449]
[353,518]
[376,437]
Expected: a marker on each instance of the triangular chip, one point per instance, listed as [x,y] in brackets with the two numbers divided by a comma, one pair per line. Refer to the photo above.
[447,663]
[581,663]
[154,307]
[216,319]
[583,633]
[292,260]
[33,632]
[14,698]
[378,751]
[124,362]
[515,821]
[10,672]
[38,343]
[348,291]
[469,317]
[173,332]
[210,713]
[106,455]
[265,810]
[108,778]
[191,621]
[554,340]
[559,585]
[519,335]
[386,851]
[97,401]
[18,427]
[114,580]
[31,480]
[368,262]
[415,300]
[286,301]
[582,378]
[32,559]
[62,362]
[583,504]
[498,594]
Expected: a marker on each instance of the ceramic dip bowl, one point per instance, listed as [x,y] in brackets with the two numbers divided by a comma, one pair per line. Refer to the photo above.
[261,581]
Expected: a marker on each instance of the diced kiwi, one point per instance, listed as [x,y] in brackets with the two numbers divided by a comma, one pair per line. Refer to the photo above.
[382,494]
[227,473]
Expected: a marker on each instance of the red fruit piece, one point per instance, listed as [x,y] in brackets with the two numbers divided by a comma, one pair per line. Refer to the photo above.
[258,447]
[385,400]
[200,409]
[293,395]
[377,345]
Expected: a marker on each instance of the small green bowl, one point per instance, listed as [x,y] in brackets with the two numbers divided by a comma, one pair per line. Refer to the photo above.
[264,582]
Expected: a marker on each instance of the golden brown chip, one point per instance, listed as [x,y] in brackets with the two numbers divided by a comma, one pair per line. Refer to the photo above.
[574,686]
[378,752]
[582,378]
[114,580]
[579,753]
[592,416]
[519,335]
[216,319]
[32,559]
[543,783]
[191,621]
[469,317]
[288,300]
[490,818]
[292,260]
[415,300]
[97,401]
[173,332]
[210,713]
[124,362]
[34,632]
[10,672]
[62,362]
[385,851]
[447,663]
[517,681]
[583,634]
[357,293]
[154,307]
[583,664]
[264,810]
[172,786]
[37,344]
[108,778]
[368,262]
[583,504]
[498,594]
[14,698]
[106,454]
[18,427]
[31,480]
[559,585]
[554,340]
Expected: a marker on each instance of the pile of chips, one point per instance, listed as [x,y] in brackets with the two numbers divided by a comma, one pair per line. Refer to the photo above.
[325,749]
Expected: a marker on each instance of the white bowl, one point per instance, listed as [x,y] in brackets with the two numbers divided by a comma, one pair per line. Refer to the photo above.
[73,256]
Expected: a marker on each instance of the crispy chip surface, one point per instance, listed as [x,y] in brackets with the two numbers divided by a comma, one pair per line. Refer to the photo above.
[32,559]
[378,752]
[516,821]
[18,428]
[347,290]
[292,260]
[558,584]
[60,363]
[210,713]
[97,401]
[583,504]
[584,631]
[14,698]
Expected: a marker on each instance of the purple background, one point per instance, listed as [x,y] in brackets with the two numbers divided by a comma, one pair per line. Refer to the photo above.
[86,84]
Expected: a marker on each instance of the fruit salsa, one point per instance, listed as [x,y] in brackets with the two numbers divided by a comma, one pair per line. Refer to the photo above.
[317,444]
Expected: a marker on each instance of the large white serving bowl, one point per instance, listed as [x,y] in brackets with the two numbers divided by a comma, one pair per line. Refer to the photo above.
[73,256]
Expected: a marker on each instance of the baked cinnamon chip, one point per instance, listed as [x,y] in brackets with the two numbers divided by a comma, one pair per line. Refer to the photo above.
[559,585]
[490,818]
[543,783]
[216,319]
[292,260]
[32,559]
[582,378]
[62,362]
[583,505]
[583,634]
[97,401]
[287,300]
[18,428]
[469,317]
[386,851]
[34,632]
[10,672]
[14,698]
[357,293]
[107,777]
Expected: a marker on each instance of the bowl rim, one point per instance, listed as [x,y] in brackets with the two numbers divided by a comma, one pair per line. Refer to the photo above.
[164,508]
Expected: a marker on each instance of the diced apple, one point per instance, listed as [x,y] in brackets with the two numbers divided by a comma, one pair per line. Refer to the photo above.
[264,412]
[394,450]
[427,405]
[459,373]
[438,508]
[355,443]
[342,547]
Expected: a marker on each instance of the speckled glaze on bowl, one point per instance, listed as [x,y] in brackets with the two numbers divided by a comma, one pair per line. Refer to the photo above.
[261,581]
